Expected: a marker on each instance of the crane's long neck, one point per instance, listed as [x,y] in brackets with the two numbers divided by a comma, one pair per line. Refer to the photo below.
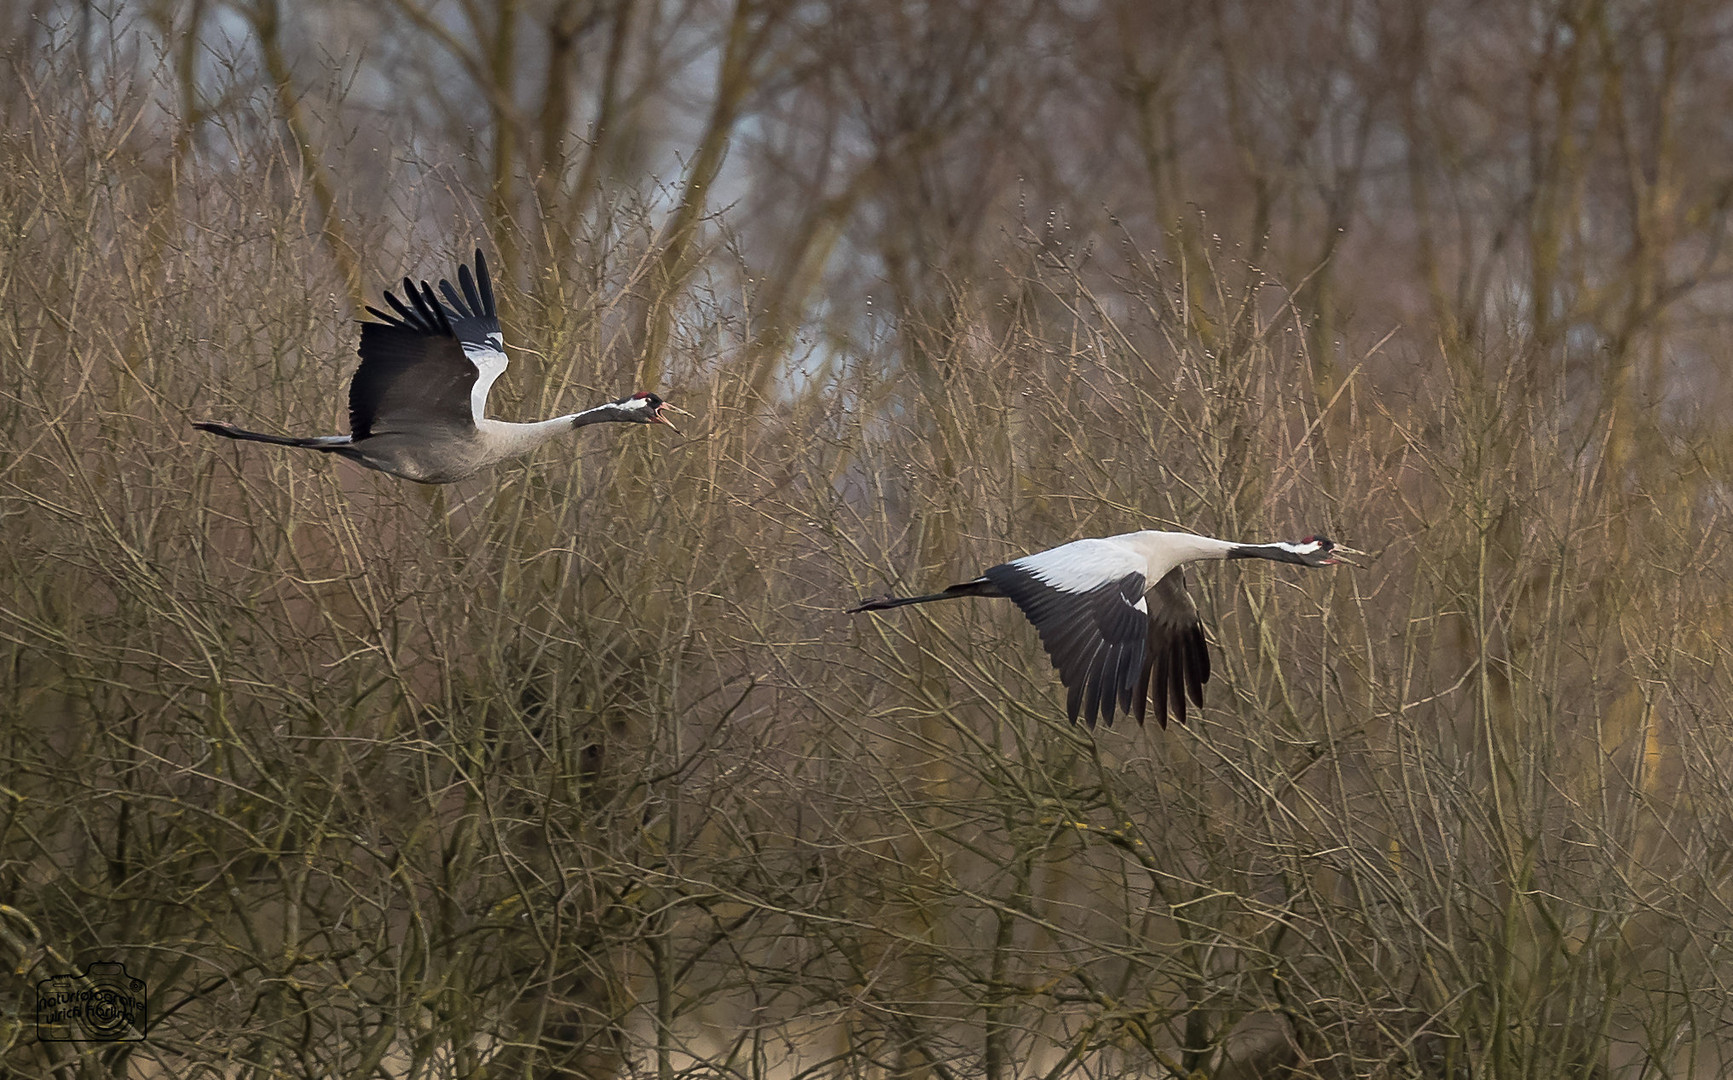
[1166,550]
[601,414]
[504,440]
[1279,552]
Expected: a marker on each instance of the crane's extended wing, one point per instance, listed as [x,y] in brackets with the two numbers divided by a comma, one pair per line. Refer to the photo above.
[1176,661]
[427,364]
[1086,601]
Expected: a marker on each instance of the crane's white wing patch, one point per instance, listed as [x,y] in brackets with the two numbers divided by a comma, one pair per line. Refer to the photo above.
[490,360]
[1082,565]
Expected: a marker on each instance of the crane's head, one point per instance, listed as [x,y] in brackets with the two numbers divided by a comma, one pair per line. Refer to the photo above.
[1319,551]
[646,408]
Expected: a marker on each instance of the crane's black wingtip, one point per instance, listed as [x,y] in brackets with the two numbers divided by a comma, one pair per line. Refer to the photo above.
[1103,719]
[484,285]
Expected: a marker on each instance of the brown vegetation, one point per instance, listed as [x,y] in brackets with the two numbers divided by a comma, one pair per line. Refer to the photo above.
[576,769]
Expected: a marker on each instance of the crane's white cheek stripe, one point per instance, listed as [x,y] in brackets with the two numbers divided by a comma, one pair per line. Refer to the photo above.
[1142,605]
[1299,549]
[1082,565]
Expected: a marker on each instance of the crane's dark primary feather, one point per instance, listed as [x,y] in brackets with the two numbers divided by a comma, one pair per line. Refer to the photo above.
[1096,638]
[405,317]
[1176,664]
[478,302]
[474,320]
[426,314]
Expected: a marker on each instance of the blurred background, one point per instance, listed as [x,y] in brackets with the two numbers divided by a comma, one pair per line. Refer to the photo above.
[576,768]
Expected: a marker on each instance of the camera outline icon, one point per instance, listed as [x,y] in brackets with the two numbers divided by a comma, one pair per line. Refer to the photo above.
[104,1004]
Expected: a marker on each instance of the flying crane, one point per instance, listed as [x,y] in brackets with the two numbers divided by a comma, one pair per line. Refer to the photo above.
[1115,638]
[418,402]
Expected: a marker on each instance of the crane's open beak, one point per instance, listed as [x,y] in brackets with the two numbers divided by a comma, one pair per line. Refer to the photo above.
[1340,554]
[665,407]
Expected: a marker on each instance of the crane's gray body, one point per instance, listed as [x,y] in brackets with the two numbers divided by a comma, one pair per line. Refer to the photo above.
[456,453]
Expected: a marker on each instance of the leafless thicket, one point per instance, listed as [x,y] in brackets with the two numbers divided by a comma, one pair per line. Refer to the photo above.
[576,770]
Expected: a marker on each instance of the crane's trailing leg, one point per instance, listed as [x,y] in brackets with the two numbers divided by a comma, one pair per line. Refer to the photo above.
[978,587]
[310,442]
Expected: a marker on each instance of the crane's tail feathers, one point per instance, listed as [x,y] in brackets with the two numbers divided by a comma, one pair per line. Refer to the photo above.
[978,587]
[315,442]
